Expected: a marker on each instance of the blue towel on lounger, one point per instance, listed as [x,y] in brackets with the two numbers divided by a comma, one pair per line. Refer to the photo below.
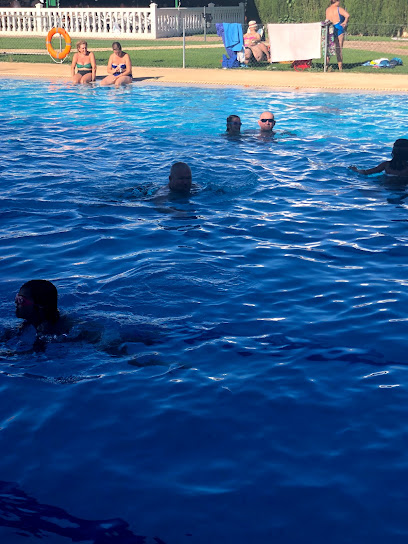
[229,61]
[233,36]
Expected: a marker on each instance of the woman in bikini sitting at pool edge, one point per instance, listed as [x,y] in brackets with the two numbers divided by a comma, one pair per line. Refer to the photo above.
[84,63]
[119,67]
[397,166]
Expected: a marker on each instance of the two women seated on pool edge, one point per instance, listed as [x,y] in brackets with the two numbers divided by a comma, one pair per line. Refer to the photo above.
[83,66]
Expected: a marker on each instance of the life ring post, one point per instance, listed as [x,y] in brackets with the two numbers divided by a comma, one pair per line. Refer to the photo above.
[58,54]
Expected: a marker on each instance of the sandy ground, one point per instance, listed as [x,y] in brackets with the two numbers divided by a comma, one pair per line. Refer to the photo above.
[299,81]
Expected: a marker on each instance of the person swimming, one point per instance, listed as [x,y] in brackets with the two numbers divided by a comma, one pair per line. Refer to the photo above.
[266,122]
[397,166]
[37,303]
[170,198]
[233,125]
[180,178]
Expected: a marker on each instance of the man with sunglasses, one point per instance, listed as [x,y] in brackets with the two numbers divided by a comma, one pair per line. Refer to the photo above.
[266,122]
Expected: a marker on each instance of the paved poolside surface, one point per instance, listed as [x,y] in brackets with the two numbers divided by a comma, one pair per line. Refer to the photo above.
[299,81]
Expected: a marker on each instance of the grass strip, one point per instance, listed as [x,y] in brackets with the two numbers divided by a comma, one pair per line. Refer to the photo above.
[195,58]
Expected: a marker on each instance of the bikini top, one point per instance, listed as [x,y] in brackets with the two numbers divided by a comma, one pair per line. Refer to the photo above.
[88,65]
[121,66]
[249,39]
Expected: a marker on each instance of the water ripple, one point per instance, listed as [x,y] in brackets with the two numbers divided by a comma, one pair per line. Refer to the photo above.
[244,346]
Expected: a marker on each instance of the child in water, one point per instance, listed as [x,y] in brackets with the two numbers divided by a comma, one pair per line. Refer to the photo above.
[397,166]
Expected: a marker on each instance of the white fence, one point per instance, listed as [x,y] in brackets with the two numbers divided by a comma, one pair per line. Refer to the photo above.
[136,23]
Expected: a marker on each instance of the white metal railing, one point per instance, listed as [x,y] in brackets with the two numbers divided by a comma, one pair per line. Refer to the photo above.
[138,23]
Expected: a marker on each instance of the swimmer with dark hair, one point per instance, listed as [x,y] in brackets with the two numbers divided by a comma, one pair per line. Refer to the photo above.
[233,125]
[180,178]
[397,166]
[37,303]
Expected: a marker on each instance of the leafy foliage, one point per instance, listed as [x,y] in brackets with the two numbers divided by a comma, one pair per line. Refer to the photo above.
[366,18]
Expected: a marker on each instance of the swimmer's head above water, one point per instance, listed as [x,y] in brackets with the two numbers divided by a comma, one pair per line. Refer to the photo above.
[400,149]
[37,303]
[233,124]
[399,155]
[180,177]
[266,121]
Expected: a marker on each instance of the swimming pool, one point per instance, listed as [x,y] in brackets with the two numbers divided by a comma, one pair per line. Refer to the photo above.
[258,391]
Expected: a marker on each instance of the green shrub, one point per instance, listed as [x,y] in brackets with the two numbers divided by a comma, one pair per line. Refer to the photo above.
[372,18]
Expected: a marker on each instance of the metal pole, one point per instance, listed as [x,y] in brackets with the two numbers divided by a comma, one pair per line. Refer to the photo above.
[205,26]
[184,44]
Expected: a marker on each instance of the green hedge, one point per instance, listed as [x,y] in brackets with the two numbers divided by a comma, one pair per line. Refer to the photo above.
[372,18]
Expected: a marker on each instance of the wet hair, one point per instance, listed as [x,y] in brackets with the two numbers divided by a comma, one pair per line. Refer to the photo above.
[45,295]
[116,45]
[82,42]
[178,165]
[230,119]
[399,154]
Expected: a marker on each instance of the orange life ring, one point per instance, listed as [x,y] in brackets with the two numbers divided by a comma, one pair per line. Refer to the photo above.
[51,50]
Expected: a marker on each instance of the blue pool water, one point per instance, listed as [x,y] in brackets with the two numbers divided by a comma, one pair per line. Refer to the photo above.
[246,381]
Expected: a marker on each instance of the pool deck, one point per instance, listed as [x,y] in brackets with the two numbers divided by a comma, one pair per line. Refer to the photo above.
[278,80]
